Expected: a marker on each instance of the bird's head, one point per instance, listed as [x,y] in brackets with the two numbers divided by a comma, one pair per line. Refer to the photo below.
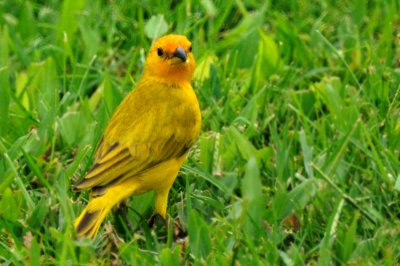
[171,60]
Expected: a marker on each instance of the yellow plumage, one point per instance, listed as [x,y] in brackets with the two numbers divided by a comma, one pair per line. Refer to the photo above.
[147,138]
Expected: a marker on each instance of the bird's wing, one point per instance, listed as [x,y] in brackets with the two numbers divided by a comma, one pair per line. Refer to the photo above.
[127,150]
[120,162]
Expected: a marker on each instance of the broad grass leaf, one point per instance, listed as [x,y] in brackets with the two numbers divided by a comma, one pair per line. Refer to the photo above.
[155,27]
[305,102]
[9,207]
[207,149]
[332,93]
[203,65]
[350,238]
[21,84]
[252,198]
[307,153]
[251,184]
[244,39]
[6,180]
[112,96]
[328,91]
[72,127]
[38,216]
[170,257]
[244,146]
[210,7]
[212,89]
[284,203]
[330,234]
[26,21]
[90,37]
[4,80]
[34,252]
[246,27]
[68,24]
[96,97]
[199,238]
[397,183]
[269,51]
[44,98]
[302,194]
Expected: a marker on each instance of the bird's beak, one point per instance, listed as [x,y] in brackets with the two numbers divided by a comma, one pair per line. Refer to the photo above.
[180,53]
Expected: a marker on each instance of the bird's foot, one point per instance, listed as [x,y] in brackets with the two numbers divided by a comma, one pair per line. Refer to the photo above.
[155,219]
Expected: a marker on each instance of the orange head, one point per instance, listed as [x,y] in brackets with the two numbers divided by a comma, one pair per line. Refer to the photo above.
[171,60]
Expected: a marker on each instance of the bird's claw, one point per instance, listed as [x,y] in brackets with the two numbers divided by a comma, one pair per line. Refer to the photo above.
[153,219]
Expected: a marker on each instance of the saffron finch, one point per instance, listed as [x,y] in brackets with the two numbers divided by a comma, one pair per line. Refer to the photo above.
[148,137]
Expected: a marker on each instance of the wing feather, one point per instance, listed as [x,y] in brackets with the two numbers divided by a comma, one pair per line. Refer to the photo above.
[115,167]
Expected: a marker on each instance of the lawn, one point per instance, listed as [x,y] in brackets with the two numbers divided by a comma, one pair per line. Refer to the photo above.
[297,162]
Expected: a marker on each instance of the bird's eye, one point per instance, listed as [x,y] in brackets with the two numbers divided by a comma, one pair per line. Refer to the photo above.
[190,49]
[160,51]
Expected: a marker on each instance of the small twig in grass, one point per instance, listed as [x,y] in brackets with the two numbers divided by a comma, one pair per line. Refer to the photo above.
[344,195]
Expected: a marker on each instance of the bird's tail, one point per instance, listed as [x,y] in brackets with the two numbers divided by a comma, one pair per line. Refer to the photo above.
[89,221]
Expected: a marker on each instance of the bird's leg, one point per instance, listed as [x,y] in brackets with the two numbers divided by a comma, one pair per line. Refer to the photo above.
[159,225]
[160,207]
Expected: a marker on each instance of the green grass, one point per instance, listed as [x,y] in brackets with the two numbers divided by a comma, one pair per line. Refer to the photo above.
[297,162]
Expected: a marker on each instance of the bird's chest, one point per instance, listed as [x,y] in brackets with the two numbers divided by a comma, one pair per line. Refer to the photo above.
[185,116]
[176,112]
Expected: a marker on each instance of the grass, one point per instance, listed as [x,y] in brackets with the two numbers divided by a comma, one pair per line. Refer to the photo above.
[297,162]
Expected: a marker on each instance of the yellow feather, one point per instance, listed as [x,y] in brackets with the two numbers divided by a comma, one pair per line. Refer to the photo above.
[148,137]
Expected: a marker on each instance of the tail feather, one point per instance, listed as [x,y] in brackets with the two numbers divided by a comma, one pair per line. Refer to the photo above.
[86,222]
[89,221]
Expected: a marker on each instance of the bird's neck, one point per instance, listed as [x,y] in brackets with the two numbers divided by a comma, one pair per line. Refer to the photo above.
[170,80]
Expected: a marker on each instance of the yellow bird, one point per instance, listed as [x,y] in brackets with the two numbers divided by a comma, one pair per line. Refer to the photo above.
[148,137]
